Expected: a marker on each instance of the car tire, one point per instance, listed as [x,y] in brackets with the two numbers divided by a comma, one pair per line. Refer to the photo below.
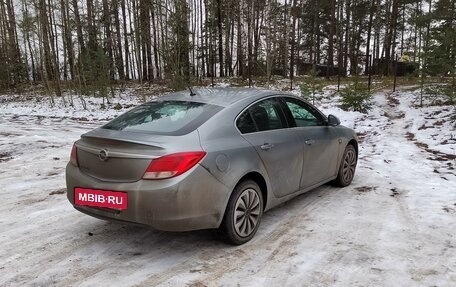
[347,167]
[243,213]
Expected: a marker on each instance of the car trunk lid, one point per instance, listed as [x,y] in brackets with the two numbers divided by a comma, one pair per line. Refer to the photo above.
[119,156]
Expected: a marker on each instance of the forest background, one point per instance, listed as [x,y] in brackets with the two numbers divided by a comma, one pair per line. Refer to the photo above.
[91,46]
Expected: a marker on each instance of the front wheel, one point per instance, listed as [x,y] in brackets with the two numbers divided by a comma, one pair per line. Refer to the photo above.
[243,213]
[347,167]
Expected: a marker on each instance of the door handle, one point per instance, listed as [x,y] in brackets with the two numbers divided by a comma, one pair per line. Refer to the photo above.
[266,146]
[309,142]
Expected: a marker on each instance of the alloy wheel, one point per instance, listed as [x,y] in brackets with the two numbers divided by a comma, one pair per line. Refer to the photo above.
[247,212]
[349,165]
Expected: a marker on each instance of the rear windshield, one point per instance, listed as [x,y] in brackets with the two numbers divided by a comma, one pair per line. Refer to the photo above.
[164,117]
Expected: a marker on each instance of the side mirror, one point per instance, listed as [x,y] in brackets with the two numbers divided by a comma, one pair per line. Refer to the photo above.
[333,121]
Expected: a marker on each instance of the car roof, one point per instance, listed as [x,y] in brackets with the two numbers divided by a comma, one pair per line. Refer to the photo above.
[221,96]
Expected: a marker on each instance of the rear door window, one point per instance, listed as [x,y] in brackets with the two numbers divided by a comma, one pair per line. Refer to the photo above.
[245,123]
[262,116]
[164,117]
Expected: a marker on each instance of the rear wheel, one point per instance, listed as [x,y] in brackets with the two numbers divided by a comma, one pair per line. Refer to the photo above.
[243,213]
[347,167]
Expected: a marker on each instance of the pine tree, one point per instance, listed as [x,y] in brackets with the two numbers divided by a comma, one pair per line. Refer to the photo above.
[442,48]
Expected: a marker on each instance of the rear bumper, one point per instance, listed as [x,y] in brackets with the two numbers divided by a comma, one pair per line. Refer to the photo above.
[194,200]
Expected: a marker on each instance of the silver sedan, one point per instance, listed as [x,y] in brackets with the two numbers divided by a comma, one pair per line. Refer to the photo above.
[208,159]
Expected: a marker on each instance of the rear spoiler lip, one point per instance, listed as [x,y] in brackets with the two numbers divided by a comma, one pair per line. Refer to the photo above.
[129,137]
[127,140]
[115,154]
[147,143]
[156,147]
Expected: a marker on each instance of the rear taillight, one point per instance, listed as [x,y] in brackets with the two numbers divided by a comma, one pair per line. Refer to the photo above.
[74,156]
[173,164]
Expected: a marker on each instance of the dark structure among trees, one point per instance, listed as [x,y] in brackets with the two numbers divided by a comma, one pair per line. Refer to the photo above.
[320,70]
[401,69]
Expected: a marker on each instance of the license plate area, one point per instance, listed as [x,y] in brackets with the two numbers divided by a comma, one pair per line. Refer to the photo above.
[101,198]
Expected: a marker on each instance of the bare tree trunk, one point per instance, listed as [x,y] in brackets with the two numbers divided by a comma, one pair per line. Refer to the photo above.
[256,32]
[143,35]
[347,34]
[332,31]
[220,36]
[369,32]
[42,52]
[239,49]
[293,42]
[108,46]
[127,50]
[78,25]
[155,45]
[47,59]
[27,45]
[91,26]
[268,41]
[388,37]
[137,42]
[119,58]
[148,40]
[202,48]
[340,45]
[249,40]
[68,41]
[54,55]
[286,16]
[229,22]
[14,54]
[184,55]
[231,52]
[394,18]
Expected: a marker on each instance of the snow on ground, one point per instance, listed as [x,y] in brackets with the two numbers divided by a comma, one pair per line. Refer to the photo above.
[394,226]
[96,108]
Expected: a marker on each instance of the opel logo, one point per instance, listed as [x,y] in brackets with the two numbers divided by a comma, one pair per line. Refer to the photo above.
[103,155]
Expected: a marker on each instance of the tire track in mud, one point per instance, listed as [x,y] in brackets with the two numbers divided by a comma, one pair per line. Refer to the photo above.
[395,115]
[278,243]
[32,272]
[114,235]
[214,266]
